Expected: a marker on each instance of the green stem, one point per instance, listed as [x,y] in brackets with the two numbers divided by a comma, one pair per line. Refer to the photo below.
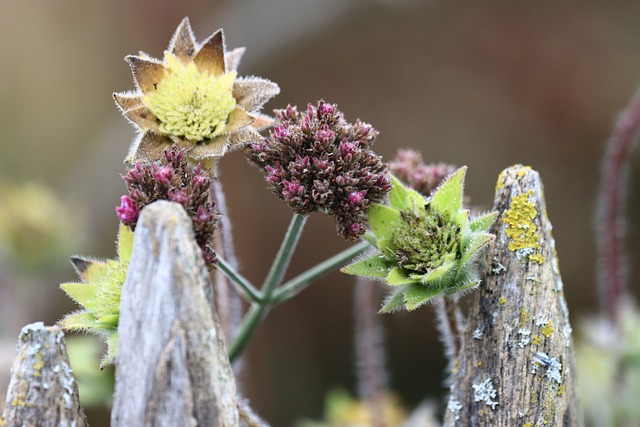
[242,285]
[297,284]
[256,313]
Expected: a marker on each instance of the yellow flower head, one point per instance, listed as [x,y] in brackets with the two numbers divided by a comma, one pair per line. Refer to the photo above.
[193,99]
[191,104]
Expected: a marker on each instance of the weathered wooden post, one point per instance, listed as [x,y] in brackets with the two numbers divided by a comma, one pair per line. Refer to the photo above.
[516,365]
[42,391]
[172,366]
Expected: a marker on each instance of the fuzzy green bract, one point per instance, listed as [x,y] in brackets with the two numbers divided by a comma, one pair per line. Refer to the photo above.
[427,246]
[99,294]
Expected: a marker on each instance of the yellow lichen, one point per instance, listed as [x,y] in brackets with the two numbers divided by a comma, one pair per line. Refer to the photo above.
[547,329]
[520,228]
[38,364]
[503,300]
[523,171]
[527,425]
[18,402]
[537,258]
[535,340]
[456,364]
[561,390]
[500,182]
[478,363]
[525,317]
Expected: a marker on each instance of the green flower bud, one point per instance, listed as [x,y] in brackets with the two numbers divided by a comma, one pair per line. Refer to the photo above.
[427,245]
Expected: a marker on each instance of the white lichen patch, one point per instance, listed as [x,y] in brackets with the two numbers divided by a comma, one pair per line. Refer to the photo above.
[535,367]
[566,327]
[454,407]
[477,334]
[553,366]
[524,337]
[554,371]
[540,321]
[485,392]
[559,285]
[495,316]
[499,268]
[524,253]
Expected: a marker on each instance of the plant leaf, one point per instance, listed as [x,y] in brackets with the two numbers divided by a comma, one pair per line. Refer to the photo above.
[394,301]
[374,266]
[448,197]
[82,293]
[462,218]
[397,276]
[418,295]
[467,284]
[370,237]
[483,222]
[398,195]
[472,244]
[80,320]
[440,274]
[112,350]
[387,247]
[109,320]
[125,243]
[383,220]
[90,270]
[417,203]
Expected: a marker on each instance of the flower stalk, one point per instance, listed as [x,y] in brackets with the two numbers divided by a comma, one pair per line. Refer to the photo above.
[298,283]
[256,313]
[611,203]
[243,286]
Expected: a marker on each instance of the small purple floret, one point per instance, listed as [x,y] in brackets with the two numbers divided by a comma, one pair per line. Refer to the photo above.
[127,211]
[356,197]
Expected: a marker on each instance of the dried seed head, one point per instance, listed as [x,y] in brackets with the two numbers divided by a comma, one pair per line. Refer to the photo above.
[192,99]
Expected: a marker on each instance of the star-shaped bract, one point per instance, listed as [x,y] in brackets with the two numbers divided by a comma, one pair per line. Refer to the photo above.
[193,99]
[426,246]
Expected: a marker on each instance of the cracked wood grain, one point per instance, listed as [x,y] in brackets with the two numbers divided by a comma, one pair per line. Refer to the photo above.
[516,364]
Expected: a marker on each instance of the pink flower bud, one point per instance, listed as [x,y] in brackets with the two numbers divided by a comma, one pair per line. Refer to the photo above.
[127,212]
[164,174]
[356,197]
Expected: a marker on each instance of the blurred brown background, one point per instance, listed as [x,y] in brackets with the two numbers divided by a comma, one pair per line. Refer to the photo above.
[486,84]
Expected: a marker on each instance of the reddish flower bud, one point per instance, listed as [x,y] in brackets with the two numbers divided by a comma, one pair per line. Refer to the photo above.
[172,180]
[127,212]
[329,165]
[356,197]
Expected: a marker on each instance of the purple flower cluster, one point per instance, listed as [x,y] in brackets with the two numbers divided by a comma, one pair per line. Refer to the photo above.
[171,179]
[409,168]
[316,161]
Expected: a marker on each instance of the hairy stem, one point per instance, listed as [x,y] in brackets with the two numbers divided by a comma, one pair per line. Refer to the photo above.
[448,327]
[611,203]
[228,304]
[258,311]
[369,348]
